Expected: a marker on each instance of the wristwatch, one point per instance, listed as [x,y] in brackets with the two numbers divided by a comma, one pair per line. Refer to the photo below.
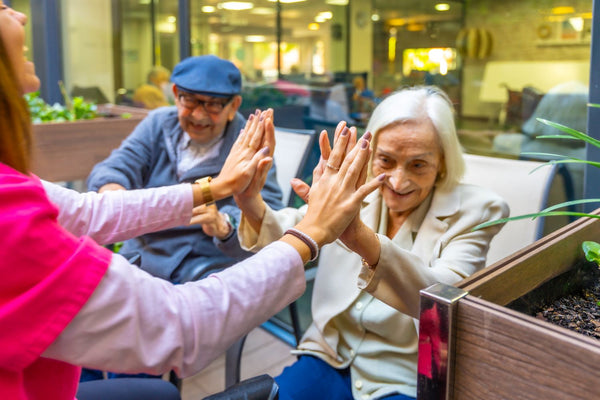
[207,196]
[232,226]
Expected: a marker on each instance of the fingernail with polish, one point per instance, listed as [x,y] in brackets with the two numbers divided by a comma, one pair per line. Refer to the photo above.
[368,135]
[381,177]
[345,131]
[364,144]
[265,150]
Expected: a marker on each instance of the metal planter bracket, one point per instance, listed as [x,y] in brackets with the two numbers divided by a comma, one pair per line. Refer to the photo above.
[436,331]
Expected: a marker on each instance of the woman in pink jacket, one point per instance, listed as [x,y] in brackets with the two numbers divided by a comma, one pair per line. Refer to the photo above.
[67,302]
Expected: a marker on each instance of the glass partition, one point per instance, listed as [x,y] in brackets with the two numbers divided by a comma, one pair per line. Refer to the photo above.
[309,34]
[166,39]
[414,42]
[524,60]
[148,41]
[87,49]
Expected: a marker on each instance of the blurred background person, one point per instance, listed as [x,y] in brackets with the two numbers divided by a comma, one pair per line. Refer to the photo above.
[322,107]
[157,91]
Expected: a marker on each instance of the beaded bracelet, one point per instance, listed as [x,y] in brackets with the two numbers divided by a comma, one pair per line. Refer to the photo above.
[307,240]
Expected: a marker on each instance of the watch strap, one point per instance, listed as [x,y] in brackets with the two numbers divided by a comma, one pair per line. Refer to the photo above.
[207,196]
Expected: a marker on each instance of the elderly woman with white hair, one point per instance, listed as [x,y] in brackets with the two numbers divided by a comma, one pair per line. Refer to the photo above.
[416,230]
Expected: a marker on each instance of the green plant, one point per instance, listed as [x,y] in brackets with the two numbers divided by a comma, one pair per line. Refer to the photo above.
[74,109]
[591,249]
[43,112]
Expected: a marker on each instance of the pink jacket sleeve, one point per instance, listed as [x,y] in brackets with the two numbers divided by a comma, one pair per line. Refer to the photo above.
[134,322]
[118,215]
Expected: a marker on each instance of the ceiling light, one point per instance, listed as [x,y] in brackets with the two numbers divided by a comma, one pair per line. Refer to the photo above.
[563,10]
[166,27]
[325,14]
[171,19]
[415,27]
[235,5]
[442,7]
[313,26]
[255,38]
[375,17]
[287,1]
[320,19]
[145,1]
[262,11]
[208,9]
[396,21]
[337,2]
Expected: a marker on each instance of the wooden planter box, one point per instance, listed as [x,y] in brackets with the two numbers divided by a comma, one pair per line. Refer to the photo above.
[67,151]
[472,346]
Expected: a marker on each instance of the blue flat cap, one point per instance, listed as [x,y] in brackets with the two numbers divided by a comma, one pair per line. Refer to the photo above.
[208,75]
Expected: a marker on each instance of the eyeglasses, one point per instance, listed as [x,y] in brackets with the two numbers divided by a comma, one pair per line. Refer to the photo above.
[210,106]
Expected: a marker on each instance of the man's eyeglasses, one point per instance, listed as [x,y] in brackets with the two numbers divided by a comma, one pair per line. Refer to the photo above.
[210,106]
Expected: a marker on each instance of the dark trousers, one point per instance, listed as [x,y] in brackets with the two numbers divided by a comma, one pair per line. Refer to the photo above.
[310,378]
[128,389]
[94,374]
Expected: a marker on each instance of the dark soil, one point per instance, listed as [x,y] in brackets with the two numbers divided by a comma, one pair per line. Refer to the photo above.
[571,300]
[579,312]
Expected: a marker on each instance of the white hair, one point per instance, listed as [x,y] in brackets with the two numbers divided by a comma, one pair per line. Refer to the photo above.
[419,103]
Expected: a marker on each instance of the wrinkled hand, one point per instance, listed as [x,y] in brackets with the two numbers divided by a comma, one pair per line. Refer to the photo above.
[335,198]
[250,201]
[252,150]
[110,187]
[213,222]
[301,188]
[352,234]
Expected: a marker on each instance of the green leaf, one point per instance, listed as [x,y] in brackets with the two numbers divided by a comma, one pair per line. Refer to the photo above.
[569,203]
[550,211]
[591,251]
[570,131]
[534,216]
[42,112]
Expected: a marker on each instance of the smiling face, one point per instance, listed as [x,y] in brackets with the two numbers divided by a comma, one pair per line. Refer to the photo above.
[410,155]
[12,33]
[202,126]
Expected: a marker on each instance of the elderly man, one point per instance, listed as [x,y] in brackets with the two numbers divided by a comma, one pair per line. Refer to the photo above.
[186,143]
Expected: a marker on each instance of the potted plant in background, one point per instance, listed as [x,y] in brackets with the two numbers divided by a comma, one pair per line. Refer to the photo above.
[481,339]
[70,139]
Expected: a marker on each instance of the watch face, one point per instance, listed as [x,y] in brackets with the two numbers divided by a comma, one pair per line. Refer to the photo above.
[230,220]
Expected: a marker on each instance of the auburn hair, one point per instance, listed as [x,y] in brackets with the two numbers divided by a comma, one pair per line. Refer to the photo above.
[15,120]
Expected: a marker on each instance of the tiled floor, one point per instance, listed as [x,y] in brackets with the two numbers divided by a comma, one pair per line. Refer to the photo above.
[262,354]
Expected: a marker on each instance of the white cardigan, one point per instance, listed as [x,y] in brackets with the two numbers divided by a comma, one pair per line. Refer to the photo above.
[437,245]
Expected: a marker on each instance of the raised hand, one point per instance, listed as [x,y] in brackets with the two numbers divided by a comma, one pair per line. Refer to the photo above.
[250,201]
[301,188]
[251,152]
[335,198]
